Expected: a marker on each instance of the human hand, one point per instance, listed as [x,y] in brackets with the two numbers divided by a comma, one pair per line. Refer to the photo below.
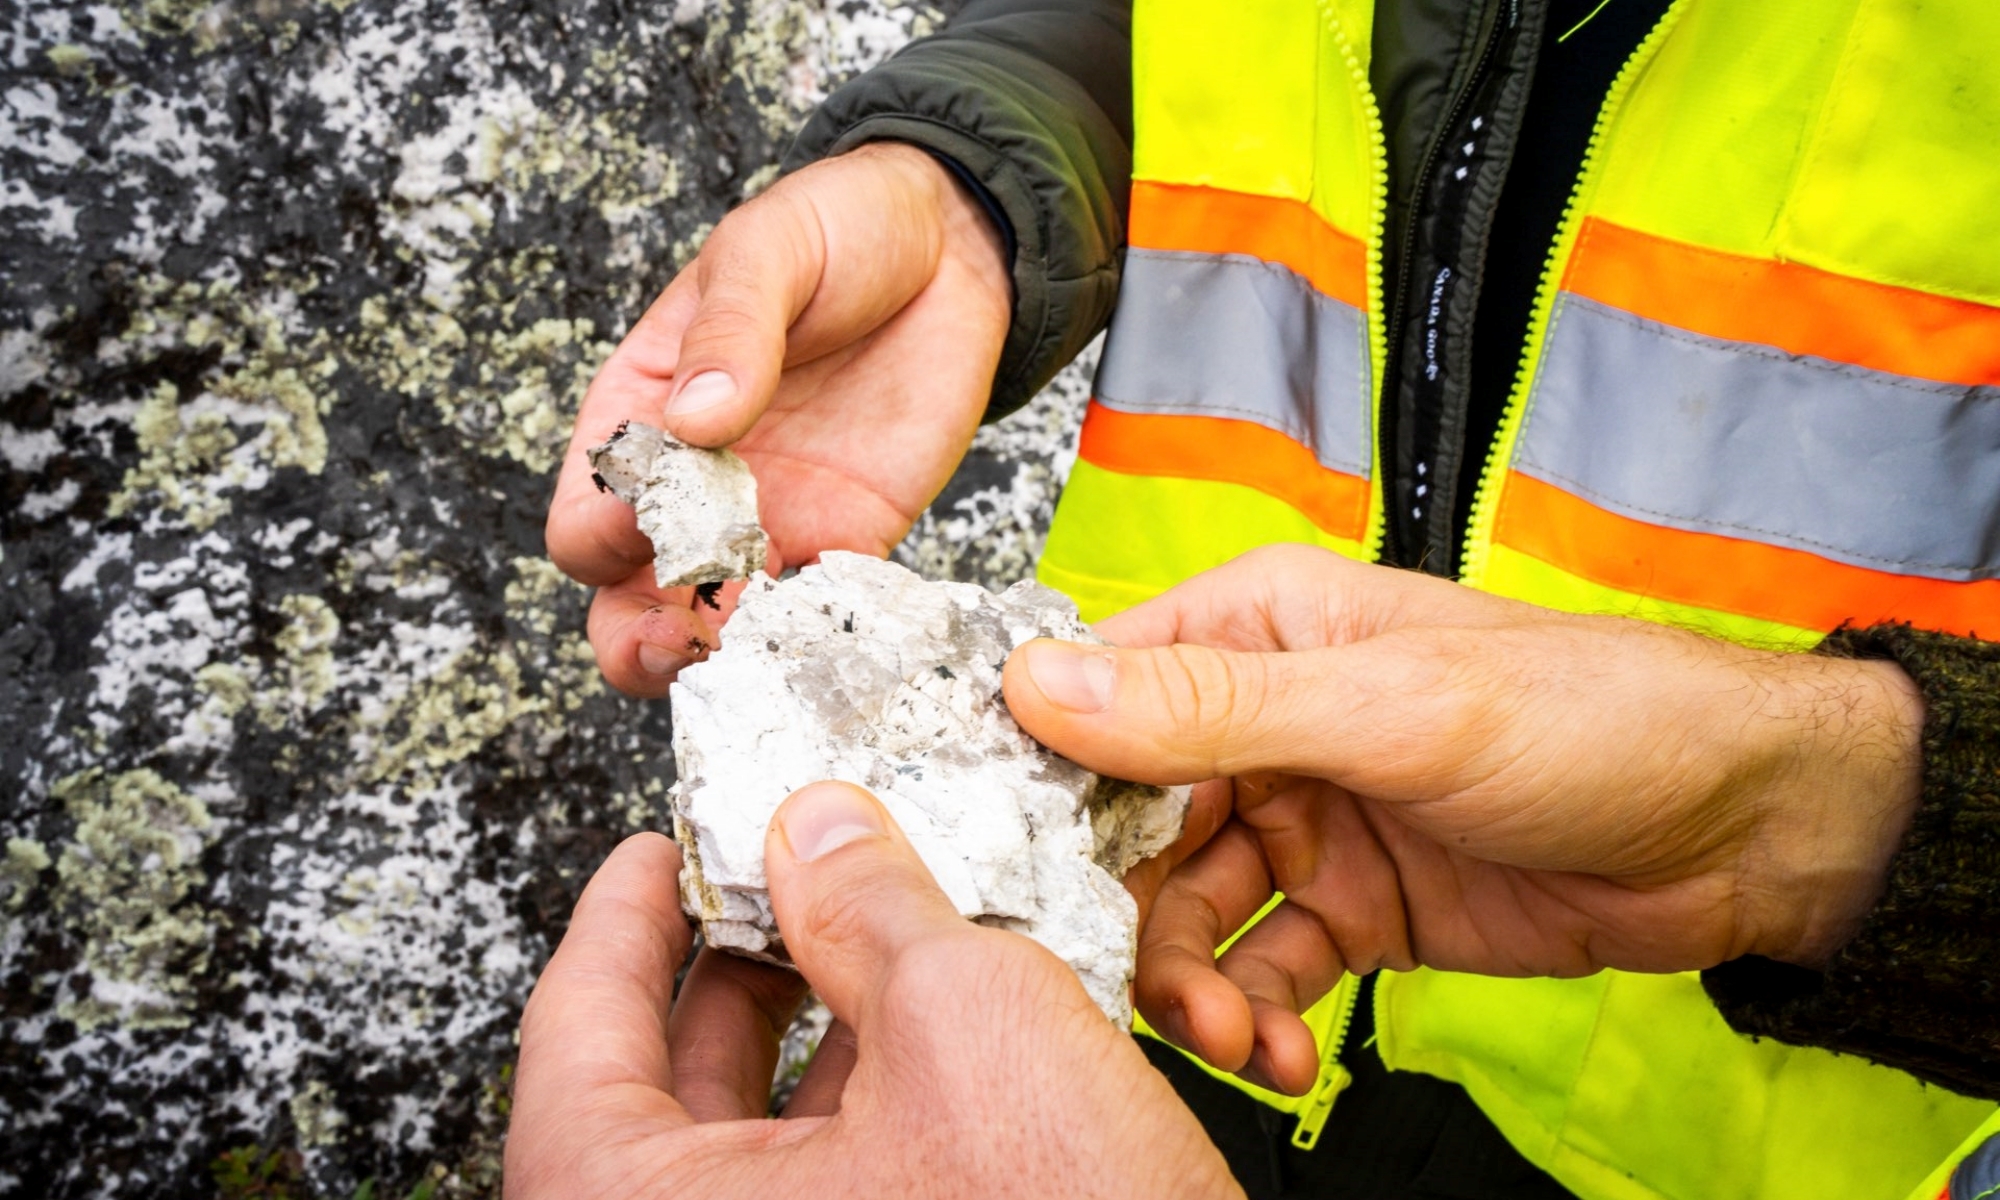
[1436,776]
[975,1066]
[840,332]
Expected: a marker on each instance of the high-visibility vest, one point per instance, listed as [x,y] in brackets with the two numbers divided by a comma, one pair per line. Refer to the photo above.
[1757,402]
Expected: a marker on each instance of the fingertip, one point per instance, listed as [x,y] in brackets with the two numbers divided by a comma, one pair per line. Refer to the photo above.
[633,871]
[1198,1010]
[850,894]
[709,407]
[1071,677]
[1053,688]
[593,537]
[820,818]
[1284,1056]
[643,645]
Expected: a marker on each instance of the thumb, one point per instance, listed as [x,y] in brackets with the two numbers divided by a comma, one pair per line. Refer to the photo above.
[850,895]
[823,258]
[1179,713]
[756,273]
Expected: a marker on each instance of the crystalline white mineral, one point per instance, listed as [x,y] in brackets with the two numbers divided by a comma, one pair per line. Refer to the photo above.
[698,507]
[858,670]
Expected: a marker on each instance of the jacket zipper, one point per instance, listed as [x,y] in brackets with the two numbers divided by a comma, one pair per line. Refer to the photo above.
[1405,265]
[1478,532]
[1378,346]
[1333,1076]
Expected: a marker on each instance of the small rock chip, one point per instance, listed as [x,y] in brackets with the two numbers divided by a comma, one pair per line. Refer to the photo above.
[699,507]
[859,670]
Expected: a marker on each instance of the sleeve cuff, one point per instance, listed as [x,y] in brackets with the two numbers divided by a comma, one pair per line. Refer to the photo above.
[1915,989]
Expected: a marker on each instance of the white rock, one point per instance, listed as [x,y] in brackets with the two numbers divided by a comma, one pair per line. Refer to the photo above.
[858,670]
[698,507]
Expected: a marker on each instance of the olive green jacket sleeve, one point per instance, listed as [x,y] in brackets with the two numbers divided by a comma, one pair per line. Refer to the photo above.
[1032,100]
[1919,987]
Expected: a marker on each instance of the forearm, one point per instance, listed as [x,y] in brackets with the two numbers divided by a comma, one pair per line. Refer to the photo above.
[1913,987]
[1032,98]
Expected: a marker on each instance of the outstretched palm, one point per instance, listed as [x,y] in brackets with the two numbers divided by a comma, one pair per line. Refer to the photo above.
[854,317]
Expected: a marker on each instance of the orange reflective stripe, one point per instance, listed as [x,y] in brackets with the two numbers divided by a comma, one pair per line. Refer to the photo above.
[1773,583]
[1799,309]
[1227,451]
[1173,216]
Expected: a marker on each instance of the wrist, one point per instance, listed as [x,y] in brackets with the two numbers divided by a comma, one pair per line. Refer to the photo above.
[1828,834]
[973,238]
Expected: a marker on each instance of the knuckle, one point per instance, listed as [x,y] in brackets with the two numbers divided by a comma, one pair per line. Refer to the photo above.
[1212,700]
[946,986]
[843,914]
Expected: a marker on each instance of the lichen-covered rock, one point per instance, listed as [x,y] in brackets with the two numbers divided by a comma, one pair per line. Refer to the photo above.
[306,757]
[698,507]
[859,670]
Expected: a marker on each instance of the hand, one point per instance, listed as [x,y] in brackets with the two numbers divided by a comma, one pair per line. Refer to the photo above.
[976,1065]
[1436,776]
[841,332]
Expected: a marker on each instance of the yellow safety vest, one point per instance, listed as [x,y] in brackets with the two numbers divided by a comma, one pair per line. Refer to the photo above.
[1756,402]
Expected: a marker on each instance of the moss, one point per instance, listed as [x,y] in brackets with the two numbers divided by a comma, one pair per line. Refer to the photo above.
[69,59]
[190,457]
[21,871]
[125,888]
[227,683]
[306,643]
[531,594]
[171,453]
[315,1117]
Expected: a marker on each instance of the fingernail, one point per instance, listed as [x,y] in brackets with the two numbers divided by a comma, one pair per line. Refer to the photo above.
[1073,677]
[705,390]
[822,818]
[660,661]
[1254,1074]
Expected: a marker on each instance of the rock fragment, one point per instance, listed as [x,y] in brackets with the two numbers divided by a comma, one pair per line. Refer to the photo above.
[698,507]
[859,670]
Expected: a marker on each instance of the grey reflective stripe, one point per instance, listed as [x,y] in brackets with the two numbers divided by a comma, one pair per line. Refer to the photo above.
[1231,336]
[1696,433]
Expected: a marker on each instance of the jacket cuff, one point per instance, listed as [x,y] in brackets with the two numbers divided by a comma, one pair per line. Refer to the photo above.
[1055,163]
[1915,989]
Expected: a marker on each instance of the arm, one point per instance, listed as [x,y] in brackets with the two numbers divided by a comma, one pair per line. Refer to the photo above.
[1032,98]
[1914,988]
[845,330]
[1436,776]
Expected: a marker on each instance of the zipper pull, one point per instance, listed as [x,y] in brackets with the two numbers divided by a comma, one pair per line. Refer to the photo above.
[1332,1082]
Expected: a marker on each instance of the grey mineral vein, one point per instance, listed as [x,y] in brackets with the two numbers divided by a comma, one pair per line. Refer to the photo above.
[698,507]
[857,669]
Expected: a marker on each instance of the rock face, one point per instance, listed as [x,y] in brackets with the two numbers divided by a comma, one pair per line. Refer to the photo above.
[859,670]
[306,758]
[697,506]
